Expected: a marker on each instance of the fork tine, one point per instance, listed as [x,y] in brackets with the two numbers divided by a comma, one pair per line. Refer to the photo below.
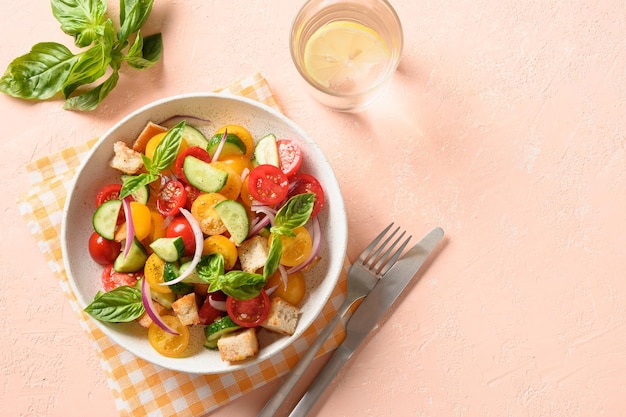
[382,259]
[394,257]
[368,251]
[375,255]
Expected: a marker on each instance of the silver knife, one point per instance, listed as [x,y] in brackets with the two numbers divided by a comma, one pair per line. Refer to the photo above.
[369,313]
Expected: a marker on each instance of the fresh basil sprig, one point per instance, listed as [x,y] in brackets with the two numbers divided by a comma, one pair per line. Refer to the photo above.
[293,214]
[238,284]
[122,304]
[50,68]
[164,155]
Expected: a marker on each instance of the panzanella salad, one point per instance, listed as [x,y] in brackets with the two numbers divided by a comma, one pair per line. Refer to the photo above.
[214,231]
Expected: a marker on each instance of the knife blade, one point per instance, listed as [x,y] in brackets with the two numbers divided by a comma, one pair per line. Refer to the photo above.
[368,314]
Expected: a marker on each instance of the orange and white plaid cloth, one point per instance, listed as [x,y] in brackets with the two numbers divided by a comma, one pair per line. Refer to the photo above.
[139,387]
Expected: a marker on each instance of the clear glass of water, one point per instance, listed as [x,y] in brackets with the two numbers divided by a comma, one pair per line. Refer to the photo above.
[346,50]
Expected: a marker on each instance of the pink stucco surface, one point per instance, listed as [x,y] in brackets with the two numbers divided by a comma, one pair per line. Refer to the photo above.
[504,125]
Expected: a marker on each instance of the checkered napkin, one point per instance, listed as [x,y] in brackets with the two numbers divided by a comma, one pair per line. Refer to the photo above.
[141,388]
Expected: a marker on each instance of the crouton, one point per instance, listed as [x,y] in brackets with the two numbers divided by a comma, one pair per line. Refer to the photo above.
[151,130]
[145,321]
[238,346]
[253,253]
[282,318]
[125,159]
[186,309]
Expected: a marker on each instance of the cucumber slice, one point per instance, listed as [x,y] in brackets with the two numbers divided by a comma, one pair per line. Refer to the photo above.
[235,218]
[194,137]
[266,151]
[203,176]
[171,272]
[170,249]
[232,145]
[217,329]
[142,195]
[134,261]
[193,277]
[104,219]
[165,299]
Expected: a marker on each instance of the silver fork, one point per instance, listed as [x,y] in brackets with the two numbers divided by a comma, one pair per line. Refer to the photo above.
[364,273]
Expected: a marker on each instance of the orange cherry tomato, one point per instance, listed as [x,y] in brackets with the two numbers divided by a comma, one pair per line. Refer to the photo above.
[168,344]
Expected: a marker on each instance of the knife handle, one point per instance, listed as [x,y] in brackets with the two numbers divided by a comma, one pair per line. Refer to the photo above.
[341,355]
[296,373]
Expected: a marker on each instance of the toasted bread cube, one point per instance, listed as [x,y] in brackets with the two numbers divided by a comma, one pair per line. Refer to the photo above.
[145,321]
[282,318]
[152,129]
[186,309]
[253,253]
[238,346]
[125,159]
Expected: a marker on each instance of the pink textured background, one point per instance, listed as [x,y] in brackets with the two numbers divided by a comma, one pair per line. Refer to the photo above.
[504,125]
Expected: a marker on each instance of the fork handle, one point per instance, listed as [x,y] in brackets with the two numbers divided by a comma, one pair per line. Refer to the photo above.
[296,373]
[341,355]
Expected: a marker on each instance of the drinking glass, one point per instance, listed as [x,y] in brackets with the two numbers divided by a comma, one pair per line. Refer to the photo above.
[346,50]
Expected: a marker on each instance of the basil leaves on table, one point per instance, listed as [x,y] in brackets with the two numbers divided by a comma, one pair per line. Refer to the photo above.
[51,68]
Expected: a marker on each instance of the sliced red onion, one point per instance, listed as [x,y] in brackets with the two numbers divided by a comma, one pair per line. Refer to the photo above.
[130,226]
[218,151]
[197,233]
[244,173]
[283,275]
[151,309]
[270,290]
[316,237]
[258,225]
[217,304]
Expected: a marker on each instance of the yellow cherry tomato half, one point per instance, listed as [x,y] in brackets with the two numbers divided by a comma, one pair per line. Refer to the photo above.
[296,249]
[153,274]
[158,230]
[243,134]
[238,163]
[156,139]
[168,344]
[225,246]
[293,292]
[203,210]
[142,219]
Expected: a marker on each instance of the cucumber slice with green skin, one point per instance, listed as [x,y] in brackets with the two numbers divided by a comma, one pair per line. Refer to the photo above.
[232,145]
[193,277]
[165,299]
[204,176]
[134,261]
[266,151]
[170,249]
[194,137]
[217,329]
[141,195]
[235,218]
[104,219]
[170,273]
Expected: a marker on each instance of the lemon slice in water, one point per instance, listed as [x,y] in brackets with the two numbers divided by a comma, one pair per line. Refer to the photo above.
[345,56]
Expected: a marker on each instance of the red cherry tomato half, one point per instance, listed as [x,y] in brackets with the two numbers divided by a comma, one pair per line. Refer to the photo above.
[306,183]
[195,151]
[248,313]
[102,250]
[108,192]
[112,279]
[171,198]
[207,313]
[289,155]
[192,194]
[179,226]
[268,184]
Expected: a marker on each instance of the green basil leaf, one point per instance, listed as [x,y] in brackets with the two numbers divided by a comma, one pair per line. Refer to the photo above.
[122,304]
[273,256]
[39,74]
[133,183]
[293,214]
[90,99]
[210,268]
[241,285]
[144,53]
[165,152]
[91,65]
[133,14]
[81,19]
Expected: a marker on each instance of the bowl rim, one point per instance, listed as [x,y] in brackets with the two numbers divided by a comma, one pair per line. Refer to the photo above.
[334,270]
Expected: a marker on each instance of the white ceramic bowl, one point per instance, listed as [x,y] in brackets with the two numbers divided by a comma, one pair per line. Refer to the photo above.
[84,273]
